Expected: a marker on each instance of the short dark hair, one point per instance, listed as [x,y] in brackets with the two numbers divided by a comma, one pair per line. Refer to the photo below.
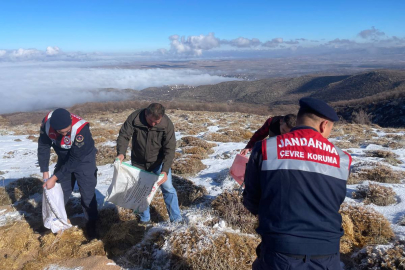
[156,110]
[308,113]
[290,120]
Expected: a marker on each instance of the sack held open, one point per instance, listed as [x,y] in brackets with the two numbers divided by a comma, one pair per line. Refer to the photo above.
[131,187]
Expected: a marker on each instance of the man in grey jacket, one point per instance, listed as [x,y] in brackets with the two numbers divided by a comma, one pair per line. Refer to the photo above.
[153,148]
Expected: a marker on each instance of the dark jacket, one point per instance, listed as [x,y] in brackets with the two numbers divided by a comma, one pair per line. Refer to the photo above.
[151,146]
[270,128]
[79,157]
[296,183]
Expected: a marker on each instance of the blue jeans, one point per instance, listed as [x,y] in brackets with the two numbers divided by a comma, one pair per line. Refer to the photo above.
[170,198]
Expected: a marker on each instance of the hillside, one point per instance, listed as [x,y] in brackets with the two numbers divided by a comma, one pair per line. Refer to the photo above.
[380,93]
[363,85]
[287,90]
[215,221]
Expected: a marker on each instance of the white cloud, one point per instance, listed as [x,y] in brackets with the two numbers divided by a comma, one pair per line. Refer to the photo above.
[27,87]
[193,45]
[52,50]
[25,53]
[339,43]
[273,43]
[371,33]
[2,53]
[242,42]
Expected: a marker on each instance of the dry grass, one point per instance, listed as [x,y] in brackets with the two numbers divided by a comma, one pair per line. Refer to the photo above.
[225,135]
[380,257]
[388,156]
[369,226]
[229,207]
[354,179]
[158,210]
[112,215]
[382,174]
[105,155]
[376,194]
[194,141]
[58,248]
[187,192]
[18,245]
[122,236]
[119,230]
[187,166]
[4,197]
[143,254]
[393,142]
[22,248]
[102,134]
[204,248]
[23,188]
[348,239]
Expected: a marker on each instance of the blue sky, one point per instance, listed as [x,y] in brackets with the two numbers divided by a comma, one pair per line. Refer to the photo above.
[133,26]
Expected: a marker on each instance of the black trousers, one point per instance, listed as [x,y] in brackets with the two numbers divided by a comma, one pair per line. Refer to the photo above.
[86,179]
[271,260]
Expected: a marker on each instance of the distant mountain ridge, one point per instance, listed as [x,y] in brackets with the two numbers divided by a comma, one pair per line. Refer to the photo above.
[370,91]
[288,90]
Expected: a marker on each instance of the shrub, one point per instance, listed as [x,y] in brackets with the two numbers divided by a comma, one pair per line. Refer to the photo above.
[144,254]
[194,141]
[388,156]
[187,192]
[229,207]
[225,135]
[196,150]
[348,239]
[376,194]
[216,137]
[187,166]
[105,155]
[122,236]
[390,257]
[207,248]
[23,188]
[158,211]
[369,226]
[362,117]
[382,174]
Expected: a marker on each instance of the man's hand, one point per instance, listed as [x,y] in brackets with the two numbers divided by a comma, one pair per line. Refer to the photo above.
[164,179]
[45,175]
[245,151]
[50,183]
[121,157]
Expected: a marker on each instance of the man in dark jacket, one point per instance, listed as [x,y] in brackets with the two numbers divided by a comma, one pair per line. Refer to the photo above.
[70,137]
[273,126]
[295,183]
[153,148]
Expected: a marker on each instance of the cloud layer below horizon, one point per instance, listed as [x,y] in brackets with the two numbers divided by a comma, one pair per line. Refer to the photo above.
[29,88]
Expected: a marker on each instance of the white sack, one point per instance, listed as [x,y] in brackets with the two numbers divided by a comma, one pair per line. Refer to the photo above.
[53,209]
[131,187]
